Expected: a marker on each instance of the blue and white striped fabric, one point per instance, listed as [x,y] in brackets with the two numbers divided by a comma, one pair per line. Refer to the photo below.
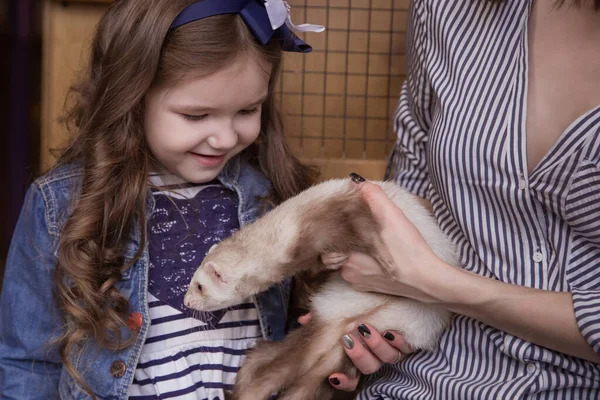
[189,355]
[461,144]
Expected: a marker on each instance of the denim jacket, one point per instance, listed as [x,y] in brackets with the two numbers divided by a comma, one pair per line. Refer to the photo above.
[29,317]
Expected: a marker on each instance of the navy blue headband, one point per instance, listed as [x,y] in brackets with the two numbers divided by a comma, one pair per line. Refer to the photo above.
[257,18]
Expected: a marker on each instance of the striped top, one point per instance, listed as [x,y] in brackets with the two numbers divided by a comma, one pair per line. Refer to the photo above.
[461,144]
[189,355]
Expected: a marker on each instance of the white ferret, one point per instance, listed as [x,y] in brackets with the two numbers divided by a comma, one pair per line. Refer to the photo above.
[329,217]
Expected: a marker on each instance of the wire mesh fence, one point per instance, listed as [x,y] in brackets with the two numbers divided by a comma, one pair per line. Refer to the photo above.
[338,101]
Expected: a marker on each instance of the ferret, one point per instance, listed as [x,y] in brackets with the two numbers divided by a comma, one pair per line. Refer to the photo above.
[330,217]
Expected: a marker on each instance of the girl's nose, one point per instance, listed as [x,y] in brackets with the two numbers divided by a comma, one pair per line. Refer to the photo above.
[224,138]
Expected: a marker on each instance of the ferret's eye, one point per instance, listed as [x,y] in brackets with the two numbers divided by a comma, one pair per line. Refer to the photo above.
[199,287]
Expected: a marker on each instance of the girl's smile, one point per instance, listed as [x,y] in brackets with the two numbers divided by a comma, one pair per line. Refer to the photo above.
[209,161]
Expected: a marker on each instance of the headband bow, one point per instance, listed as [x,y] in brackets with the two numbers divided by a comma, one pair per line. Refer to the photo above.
[266,20]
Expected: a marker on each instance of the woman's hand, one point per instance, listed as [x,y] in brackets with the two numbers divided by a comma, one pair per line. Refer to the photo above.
[377,350]
[363,272]
[402,255]
[546,318]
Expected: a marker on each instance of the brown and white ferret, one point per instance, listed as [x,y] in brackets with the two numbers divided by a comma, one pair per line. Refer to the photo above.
[330,217]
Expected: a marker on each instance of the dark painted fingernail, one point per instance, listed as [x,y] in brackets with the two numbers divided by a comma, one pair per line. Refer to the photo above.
[348,342]
[364,331]
[334,381]
[356,178]
[389,336]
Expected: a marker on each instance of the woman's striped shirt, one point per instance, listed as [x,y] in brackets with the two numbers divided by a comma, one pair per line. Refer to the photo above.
[461,144]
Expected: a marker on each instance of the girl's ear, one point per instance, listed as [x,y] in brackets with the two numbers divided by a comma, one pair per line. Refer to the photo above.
[215,275]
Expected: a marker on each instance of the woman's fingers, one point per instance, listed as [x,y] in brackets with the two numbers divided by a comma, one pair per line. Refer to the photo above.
[343,382]
[387,348]
[397,341]
[338,380]
[304,319]
[382,207]
[387,351]
[362,358]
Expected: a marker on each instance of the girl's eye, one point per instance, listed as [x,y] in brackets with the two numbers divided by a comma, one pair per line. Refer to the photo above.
[194,117]
[250,112]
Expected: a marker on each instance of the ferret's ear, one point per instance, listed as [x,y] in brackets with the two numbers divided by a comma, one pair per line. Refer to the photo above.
[215,275]
[211,248]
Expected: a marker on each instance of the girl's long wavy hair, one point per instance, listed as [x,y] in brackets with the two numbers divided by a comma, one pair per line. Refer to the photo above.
[133,50]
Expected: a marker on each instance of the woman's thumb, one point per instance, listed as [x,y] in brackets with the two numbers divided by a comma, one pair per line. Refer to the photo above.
[383,209]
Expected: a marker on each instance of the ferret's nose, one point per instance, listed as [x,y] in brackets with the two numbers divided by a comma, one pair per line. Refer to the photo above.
[195,289]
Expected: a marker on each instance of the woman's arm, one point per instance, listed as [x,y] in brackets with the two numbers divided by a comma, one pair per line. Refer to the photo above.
[542,317]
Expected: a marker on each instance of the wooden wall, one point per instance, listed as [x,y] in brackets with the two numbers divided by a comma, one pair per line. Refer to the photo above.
[67,31]
[337,101]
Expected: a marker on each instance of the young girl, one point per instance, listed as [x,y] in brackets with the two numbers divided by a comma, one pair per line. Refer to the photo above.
[177,144]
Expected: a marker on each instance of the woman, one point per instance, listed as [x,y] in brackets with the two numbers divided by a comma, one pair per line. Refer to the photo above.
[498,128]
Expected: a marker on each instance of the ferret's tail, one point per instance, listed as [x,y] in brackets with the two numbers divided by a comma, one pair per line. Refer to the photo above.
[297,368]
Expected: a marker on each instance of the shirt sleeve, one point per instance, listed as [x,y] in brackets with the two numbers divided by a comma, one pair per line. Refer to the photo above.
[587,315]
[29,318]
[412,119]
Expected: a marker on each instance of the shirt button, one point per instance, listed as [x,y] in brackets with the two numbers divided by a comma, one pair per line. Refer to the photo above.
[537,256]
[531,368]
[135,320]
[522,184]
[118,368]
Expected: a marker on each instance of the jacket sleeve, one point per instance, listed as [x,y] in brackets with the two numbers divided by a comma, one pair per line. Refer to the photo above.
[412,118]
[29,318]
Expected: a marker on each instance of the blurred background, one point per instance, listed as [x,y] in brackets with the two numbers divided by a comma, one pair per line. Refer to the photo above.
[337,101]
[20,100]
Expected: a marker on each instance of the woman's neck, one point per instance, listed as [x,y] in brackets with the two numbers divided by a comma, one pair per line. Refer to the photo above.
[570,35]
[568,21]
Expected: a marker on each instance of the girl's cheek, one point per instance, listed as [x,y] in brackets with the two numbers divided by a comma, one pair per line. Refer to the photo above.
[180,137]
[250,130]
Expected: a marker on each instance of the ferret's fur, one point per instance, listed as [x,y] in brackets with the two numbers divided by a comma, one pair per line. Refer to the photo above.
[329,217]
